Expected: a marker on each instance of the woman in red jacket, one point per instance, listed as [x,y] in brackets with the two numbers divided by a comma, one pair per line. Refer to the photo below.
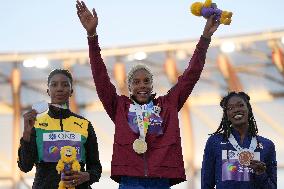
[147,146]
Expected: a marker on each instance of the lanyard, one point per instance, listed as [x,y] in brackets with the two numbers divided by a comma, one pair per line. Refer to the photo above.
[239,149]
[142,121]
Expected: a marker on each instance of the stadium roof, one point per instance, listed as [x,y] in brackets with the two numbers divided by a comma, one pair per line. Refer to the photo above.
[253,63]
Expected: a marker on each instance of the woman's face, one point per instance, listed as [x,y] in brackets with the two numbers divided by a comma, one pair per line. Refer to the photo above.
[141,86]
[237,111]
[59,89]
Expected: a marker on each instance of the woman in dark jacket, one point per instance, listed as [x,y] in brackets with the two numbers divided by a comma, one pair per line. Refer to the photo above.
[235,156]
[45,133]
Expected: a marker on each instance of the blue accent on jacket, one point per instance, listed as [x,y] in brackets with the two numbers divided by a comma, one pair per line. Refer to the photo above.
[211,172]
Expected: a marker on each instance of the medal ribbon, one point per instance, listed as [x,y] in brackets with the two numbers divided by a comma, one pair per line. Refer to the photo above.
[239,149]
[142,121]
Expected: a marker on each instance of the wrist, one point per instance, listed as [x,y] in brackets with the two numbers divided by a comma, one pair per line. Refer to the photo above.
[86,176]
[27,136]
[92,34]
[259,172]
[207,36]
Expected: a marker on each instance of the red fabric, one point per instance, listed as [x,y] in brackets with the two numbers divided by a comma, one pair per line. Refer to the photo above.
[163,158]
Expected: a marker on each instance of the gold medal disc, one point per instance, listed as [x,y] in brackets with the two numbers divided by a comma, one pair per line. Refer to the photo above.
[245,157]
[139,146]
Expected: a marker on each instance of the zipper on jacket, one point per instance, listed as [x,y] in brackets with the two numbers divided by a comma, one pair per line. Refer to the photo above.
[61,124]
[145,165]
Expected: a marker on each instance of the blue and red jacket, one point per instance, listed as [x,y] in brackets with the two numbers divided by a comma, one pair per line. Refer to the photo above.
[217,164]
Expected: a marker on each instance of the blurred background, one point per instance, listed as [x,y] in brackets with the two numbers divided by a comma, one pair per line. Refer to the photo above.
[38,36]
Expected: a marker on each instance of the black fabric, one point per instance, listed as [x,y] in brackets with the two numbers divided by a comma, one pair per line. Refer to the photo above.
[46,176]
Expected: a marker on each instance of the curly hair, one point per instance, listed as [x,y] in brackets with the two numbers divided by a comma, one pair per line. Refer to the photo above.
[225,125]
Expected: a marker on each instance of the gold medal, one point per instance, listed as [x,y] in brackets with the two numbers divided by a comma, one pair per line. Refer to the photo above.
[139,146]
[245,157]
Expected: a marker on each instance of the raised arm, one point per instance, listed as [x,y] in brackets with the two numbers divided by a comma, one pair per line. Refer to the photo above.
[27,152]
[179,93]
[87,19]
[105,89]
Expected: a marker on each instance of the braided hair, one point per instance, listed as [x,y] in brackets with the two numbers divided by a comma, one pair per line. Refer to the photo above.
[225,125]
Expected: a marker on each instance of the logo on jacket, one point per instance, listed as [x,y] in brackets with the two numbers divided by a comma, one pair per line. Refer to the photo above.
[260,145]
[53,149]
[80,125]
[52,136]
[231,167]
[57,136]
[232,154]
[43,124]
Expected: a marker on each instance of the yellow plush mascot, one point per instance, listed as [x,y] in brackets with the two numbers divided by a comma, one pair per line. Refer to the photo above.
[208,8]
[67,162]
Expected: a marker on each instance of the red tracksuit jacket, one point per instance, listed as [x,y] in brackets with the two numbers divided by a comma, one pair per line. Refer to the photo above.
[163,158]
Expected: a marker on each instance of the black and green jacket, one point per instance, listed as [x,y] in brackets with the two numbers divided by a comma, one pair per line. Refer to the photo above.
[57,120]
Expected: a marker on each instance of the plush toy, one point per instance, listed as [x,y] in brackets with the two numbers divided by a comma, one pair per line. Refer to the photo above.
[67,162]
[208,8]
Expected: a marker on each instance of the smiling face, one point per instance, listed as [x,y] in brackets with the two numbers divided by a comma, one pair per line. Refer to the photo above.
[68,154]
[59,89]
[237,112]
[141,86]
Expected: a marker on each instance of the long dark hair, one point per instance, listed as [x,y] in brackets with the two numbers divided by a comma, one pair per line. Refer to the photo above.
[225,125]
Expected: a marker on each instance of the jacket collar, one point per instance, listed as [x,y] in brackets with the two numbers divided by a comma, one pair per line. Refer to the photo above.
[237,136]
[58,113]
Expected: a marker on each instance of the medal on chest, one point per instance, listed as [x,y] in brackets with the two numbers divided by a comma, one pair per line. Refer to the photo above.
[139,146]
[143,113]
[244,155]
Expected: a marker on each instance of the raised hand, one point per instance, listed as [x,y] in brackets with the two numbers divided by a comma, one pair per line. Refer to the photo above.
[29,122]
[88,20]
[210,27]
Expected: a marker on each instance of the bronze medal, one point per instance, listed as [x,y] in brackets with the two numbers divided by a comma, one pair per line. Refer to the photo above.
[139,146]
[245,157]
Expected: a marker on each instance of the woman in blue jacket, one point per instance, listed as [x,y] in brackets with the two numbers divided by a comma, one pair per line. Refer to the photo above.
[235,156]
